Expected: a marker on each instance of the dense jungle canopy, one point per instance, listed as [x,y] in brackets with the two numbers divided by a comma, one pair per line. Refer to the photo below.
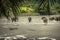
[9,8]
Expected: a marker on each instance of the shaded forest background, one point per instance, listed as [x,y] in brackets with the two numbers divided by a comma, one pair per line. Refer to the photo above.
[9,8]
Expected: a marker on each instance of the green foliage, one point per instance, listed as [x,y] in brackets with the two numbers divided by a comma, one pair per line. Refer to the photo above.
[10,8]
[46,7]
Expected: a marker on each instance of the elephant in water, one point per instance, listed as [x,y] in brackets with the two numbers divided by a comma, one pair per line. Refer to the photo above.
[29,19]
[44,19]
[57,18]
[14,19]
[51,18]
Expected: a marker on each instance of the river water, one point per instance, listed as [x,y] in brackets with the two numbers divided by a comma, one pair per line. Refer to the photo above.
[36,28]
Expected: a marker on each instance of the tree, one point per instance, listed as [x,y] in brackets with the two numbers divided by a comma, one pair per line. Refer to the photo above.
[8,6]
[46,4]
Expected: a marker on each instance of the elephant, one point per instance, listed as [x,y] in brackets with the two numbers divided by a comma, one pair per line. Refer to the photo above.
[44,19]
[14,19]
[29,19]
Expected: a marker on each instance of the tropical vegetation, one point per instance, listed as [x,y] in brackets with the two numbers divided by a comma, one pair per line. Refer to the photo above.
[10,8]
